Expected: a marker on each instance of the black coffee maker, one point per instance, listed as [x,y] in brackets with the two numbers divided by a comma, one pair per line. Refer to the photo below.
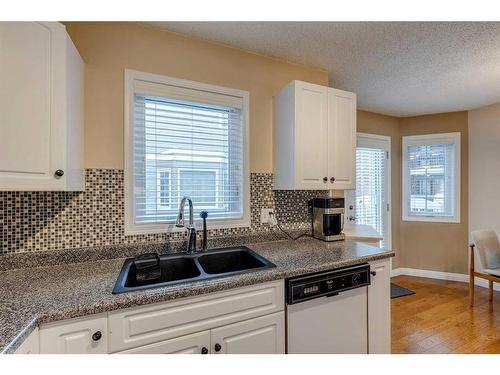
[327,218]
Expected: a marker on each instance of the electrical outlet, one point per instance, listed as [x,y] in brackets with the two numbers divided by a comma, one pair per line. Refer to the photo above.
[265,215]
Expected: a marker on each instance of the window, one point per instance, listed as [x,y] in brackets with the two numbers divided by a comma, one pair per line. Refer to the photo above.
[431,178]
[189,139]
[369,204]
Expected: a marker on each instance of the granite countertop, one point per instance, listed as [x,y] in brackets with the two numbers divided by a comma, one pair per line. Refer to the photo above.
[33,296]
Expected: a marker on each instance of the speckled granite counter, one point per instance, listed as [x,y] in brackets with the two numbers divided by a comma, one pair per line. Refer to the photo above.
[33,296]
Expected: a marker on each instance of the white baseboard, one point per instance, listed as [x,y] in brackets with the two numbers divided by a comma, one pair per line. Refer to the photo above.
[442,276]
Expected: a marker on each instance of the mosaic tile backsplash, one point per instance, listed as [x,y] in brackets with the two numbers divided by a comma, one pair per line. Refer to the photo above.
[38,221]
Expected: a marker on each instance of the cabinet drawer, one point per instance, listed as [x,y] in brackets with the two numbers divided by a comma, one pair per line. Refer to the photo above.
[75,336]
[140,326]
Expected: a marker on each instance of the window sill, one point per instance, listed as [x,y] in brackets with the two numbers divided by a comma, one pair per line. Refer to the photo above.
[138,229]
[433,219]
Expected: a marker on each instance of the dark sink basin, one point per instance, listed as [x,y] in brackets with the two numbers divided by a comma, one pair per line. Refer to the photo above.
[181,268]
[172,269]
[230,261]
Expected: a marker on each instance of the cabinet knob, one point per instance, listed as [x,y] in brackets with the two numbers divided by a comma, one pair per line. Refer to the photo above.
[59,173]
[217,347]
[204,350]
[332,179]
[374,273]
[97,336]
[325,179]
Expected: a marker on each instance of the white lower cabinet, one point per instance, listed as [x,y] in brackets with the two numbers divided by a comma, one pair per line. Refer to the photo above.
[75,336]
[379,308]
[31,344]
[264,335]
[197,343]
[139,326]
[236,321]
[243,320]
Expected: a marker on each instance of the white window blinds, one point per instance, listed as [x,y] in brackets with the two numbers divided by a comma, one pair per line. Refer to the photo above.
[370,194]
[186,142]
[430,169]
[430,173]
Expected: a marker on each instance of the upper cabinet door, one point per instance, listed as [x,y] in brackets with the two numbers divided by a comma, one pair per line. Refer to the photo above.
[311,136]
[342,139]
[35,123]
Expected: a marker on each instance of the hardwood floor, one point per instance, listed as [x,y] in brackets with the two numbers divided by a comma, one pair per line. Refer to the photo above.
[438,319]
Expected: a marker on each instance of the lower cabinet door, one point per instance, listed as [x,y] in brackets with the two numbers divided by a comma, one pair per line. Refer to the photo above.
[76,336]
[197,343]
[379,308]
[30,345]
[264,335]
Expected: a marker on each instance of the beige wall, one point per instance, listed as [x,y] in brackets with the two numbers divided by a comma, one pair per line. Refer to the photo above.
[438,246]
[374,123]
[428,246]
[109,48]
[484,171]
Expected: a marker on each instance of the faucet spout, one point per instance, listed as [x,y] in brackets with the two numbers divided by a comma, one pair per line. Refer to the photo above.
[180,216]
[180,222]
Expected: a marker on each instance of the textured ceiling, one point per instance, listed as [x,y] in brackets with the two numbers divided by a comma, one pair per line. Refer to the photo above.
[395,68]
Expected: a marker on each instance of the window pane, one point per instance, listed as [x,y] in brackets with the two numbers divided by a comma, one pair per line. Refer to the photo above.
[186,148]
[202,184]
[431,176]
[370,189]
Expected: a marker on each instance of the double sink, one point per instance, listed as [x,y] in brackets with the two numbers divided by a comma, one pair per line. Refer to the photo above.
[180,268]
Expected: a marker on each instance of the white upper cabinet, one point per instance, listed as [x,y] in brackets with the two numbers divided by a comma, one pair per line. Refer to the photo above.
[314,138]
[41,108]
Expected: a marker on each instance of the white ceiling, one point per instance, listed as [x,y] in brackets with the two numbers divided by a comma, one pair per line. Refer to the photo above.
[395,68]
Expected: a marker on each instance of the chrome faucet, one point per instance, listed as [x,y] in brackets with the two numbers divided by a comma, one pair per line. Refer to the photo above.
[191,248]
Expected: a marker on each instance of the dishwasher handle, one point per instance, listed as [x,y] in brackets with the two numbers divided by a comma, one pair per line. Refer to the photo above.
[333,294]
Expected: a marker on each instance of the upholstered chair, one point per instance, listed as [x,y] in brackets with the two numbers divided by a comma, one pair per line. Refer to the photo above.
[484,260]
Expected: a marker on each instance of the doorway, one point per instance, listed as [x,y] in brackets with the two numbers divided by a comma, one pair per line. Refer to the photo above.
[370,203]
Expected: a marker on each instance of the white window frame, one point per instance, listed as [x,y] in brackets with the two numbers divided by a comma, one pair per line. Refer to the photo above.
[429,139]
[131,228]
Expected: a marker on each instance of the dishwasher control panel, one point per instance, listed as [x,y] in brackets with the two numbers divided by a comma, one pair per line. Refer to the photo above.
[330,283]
